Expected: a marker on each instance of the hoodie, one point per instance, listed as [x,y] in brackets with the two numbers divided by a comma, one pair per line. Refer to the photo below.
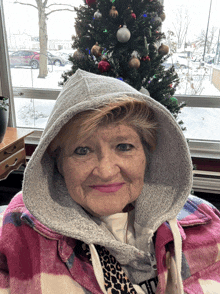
[167,183]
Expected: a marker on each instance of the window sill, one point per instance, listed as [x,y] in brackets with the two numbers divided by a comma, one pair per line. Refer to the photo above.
[34,138]
[204,149]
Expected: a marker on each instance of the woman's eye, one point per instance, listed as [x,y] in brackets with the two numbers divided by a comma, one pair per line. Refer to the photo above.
[82,150]
[124,147]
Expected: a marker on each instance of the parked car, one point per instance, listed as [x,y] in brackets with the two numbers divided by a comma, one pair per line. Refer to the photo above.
[56,60]
[31,58]
[65,53]
[24,58]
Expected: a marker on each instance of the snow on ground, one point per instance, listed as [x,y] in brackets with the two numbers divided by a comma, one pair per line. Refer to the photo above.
[33,113]
[201,123]
[28,77]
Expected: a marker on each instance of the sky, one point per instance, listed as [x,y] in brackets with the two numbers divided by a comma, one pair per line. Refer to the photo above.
[61,24]
[198,11]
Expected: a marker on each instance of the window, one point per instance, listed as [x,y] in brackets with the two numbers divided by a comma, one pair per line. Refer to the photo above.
[193,33]
[21,22]
[194,45]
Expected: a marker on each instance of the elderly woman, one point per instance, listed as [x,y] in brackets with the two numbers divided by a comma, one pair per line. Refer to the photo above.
[105,205]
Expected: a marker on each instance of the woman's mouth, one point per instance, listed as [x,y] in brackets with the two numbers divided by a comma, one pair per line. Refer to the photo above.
[108,188]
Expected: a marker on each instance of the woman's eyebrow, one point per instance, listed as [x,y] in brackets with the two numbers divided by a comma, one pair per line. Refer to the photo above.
[124,137]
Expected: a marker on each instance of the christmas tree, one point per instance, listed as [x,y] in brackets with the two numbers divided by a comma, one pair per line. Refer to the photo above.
[123,39]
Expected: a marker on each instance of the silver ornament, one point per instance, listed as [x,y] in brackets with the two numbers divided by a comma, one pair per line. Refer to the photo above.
[157,18]
[144,91]
[123,34]
[97,14]
[135,54]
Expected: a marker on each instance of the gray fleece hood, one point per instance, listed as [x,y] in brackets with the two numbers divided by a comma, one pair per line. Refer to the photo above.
[168,178]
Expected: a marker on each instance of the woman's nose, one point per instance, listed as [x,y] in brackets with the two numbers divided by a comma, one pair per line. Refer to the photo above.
[107,167]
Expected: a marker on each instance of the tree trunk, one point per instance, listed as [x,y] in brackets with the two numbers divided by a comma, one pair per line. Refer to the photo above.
[43,42]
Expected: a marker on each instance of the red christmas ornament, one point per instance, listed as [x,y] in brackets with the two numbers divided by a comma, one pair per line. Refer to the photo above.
[170,85]
[145,58]
[90,2]
[133,15]
[104,66]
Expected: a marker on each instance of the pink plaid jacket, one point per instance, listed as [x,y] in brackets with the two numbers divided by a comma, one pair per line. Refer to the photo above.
[34,259]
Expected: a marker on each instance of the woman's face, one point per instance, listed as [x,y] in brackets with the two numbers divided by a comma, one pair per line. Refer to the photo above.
[105,172]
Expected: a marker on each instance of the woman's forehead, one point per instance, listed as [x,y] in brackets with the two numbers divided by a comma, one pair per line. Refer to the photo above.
[111,131]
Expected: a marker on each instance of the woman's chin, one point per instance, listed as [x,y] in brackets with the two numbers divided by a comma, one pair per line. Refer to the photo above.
[98,212]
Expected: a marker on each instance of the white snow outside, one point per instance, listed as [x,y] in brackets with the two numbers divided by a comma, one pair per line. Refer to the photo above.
[201,123]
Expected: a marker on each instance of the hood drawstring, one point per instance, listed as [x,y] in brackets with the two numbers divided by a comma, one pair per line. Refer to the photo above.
[178,253]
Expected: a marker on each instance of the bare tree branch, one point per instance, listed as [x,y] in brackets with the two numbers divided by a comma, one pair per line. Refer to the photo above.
[45,3]
[16,2]
[66,9]
[55,4]
[181,26]
[200,41]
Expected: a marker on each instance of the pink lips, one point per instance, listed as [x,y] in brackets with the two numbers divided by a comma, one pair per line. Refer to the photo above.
[108,188]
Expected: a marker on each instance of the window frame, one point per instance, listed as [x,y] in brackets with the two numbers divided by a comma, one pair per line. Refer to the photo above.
[5,74]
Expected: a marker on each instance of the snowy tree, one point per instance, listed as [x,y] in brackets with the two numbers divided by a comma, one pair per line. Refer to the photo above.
[180,26]
[210,42]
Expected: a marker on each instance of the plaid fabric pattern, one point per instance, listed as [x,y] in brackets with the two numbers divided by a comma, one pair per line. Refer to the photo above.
[34,259]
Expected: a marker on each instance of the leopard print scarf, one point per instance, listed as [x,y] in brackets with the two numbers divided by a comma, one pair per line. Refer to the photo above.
[115,280]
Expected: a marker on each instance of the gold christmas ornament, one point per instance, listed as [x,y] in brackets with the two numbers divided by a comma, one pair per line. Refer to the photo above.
[162,16]
[113,12]
[134,62]
[96,50]
[163,49]
[78,55]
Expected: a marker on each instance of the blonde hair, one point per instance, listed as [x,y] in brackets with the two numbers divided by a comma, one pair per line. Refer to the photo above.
[126,110]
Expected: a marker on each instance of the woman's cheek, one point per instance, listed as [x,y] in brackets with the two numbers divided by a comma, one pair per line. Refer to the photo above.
[78,170]
[138,163]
